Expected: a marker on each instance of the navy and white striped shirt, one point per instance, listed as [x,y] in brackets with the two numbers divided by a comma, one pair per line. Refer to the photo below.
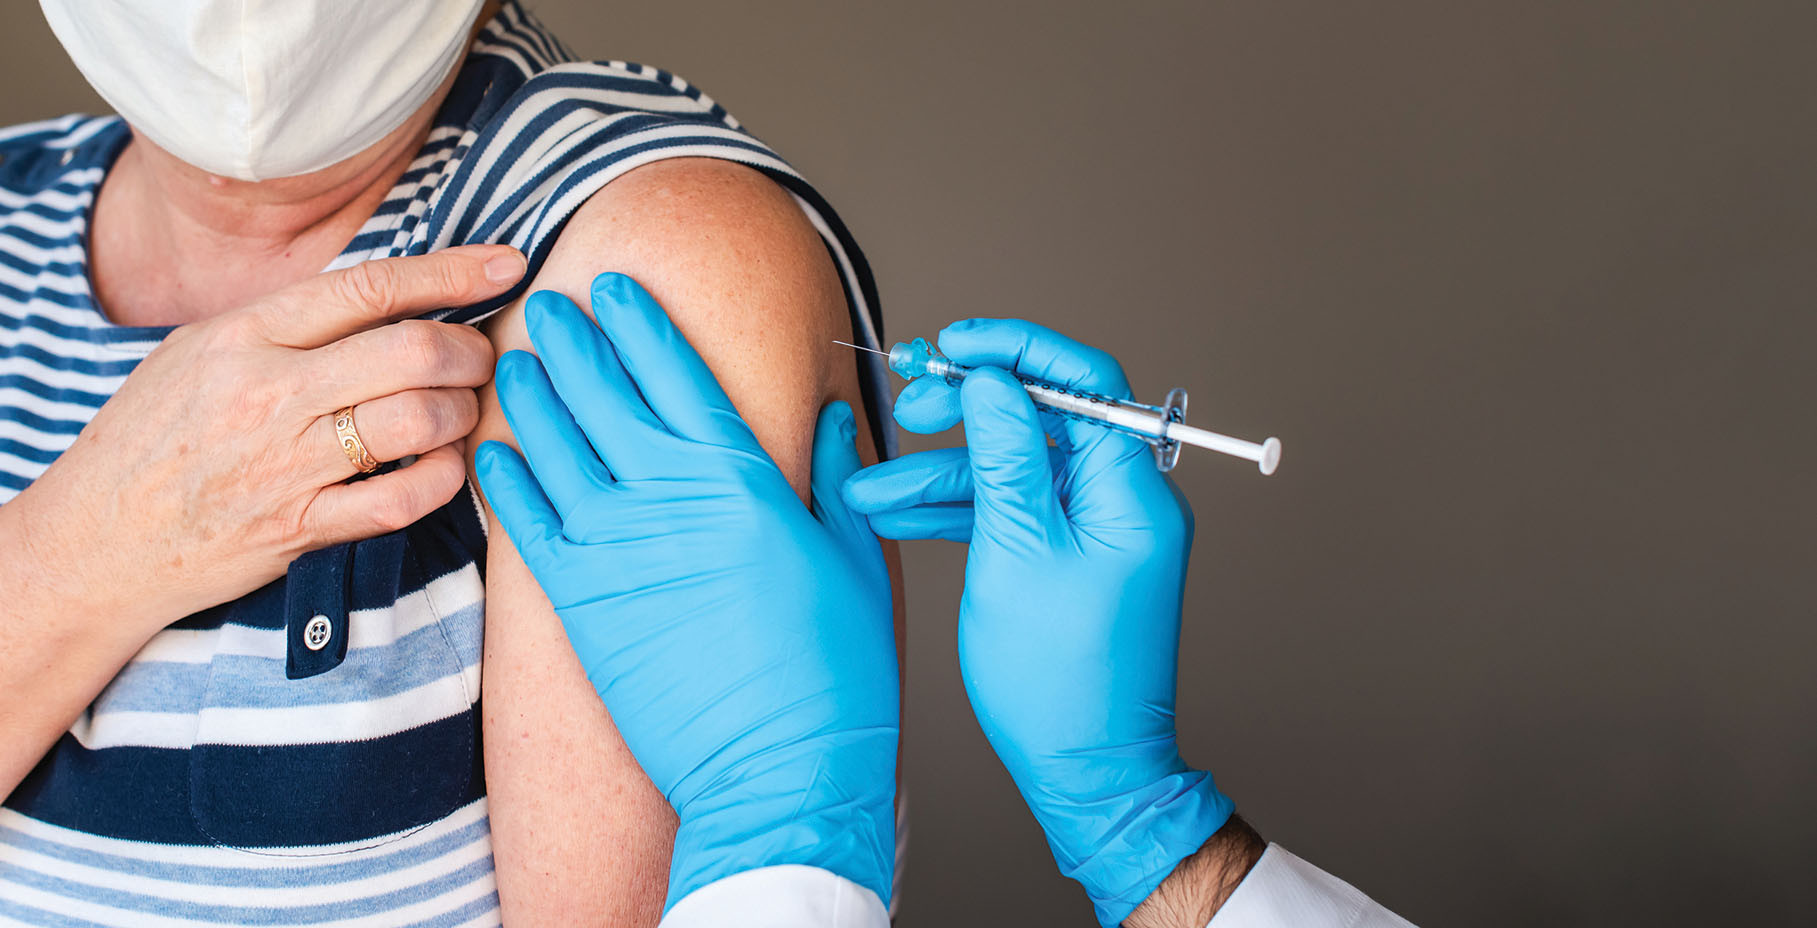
[229,775]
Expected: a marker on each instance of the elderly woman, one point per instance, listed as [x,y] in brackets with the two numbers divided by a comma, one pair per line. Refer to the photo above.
[242,655]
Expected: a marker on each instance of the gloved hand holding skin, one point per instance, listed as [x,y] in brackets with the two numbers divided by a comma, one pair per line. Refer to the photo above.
[1069,626]
[742,642]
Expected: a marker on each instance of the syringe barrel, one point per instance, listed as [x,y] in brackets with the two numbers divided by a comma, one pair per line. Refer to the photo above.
[1138,419]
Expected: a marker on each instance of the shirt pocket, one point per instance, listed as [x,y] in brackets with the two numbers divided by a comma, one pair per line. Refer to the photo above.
[361,754]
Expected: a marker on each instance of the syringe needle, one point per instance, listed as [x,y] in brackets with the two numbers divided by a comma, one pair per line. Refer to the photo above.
[861,347]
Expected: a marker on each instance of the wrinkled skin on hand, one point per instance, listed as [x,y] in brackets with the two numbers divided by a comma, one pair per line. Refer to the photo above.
[216,462]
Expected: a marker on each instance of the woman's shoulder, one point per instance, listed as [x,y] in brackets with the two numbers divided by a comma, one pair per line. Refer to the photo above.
[534,138]
[38,155]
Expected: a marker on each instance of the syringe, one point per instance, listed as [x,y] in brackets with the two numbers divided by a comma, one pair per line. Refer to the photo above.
[1163,427]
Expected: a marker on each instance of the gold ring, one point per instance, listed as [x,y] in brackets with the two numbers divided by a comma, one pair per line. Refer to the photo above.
[362,460]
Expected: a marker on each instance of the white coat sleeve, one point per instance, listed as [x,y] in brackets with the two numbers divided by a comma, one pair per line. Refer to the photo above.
[1283,891]
[790,896]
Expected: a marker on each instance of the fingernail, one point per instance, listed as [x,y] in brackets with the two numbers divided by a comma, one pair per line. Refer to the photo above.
[505,268]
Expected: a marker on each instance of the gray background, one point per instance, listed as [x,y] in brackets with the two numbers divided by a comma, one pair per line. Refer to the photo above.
[1522,631]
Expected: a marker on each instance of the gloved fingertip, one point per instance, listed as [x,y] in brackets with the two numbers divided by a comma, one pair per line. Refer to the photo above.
[852,491]
[512,367]
[924,523]
[990,390]
[921,390]
[518,501]
[619,299]
[838,414]
[970,341]
[612,287]
[860,491]
[493,472]
[834,424]
[835,456]
[884,525]
[544,311]
[541,302]
[485,457]
[927,405]
[499,469]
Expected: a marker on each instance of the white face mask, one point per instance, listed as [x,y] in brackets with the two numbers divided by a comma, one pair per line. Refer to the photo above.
[257,89]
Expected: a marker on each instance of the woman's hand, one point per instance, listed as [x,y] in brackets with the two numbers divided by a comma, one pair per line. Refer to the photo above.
[217,462]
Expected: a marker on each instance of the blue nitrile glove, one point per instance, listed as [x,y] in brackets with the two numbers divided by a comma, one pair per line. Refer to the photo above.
[1069,628]
[743,644]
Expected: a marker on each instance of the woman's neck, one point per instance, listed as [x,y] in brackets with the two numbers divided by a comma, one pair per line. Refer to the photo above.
[170,243]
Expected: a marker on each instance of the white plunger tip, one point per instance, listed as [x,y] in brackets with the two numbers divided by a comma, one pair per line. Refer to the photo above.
[1271,456]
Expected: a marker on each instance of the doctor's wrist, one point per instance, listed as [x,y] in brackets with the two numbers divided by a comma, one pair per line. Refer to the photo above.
[1201,884]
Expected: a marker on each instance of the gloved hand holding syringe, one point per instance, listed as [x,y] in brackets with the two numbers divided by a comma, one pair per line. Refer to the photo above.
[1163,427]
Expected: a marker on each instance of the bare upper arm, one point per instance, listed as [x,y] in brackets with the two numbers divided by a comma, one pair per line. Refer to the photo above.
[579,833]
[742,273]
